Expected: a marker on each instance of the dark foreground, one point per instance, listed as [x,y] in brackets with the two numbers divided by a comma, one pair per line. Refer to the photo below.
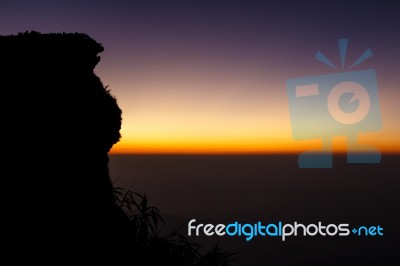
[271,188]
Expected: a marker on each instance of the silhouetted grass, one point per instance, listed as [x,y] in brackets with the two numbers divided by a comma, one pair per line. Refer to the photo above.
[153,246]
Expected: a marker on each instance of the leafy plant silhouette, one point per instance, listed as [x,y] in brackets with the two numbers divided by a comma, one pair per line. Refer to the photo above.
[152,246]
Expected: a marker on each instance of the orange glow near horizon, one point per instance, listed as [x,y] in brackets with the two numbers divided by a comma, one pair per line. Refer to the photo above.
[239,147]
[218,135]
[179,111]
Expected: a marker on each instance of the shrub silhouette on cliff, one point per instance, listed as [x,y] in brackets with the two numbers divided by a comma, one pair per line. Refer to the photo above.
[58,120]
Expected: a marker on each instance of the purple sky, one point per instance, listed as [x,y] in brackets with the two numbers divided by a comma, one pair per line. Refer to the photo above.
[209,68]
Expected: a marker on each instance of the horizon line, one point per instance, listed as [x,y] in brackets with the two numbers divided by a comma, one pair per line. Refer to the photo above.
[236,153]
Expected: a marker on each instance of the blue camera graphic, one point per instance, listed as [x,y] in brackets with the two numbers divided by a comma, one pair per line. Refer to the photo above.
[325,106]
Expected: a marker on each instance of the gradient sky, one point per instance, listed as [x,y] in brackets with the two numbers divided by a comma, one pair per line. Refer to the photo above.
[210,76]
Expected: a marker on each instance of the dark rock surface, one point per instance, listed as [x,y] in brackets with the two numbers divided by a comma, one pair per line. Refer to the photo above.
[58,123]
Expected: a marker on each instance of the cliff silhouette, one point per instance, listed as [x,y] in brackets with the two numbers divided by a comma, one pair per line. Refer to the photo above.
[59,122]
[58,205]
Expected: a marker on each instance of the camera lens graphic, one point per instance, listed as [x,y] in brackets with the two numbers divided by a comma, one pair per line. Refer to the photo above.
[343,103]
[359,95]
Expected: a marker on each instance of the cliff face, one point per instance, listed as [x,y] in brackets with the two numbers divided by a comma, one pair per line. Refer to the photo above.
[58,123]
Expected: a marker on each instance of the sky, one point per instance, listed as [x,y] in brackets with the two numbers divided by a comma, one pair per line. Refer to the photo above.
[210,76]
